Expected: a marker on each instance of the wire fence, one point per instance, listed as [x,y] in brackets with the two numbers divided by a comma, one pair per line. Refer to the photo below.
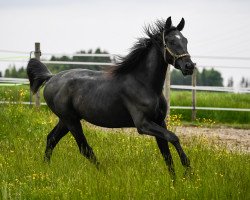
[193,88]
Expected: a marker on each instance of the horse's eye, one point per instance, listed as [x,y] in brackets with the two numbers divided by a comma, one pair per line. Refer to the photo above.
[172,42]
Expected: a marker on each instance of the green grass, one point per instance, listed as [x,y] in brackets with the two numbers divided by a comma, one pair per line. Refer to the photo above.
[16,93]
[131,165]
[178,98]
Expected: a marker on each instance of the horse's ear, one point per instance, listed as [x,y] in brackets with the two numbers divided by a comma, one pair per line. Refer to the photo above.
[168,23]
[180,26]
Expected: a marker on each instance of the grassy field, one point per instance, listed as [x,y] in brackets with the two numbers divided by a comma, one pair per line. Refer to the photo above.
[131,165]
[178,98]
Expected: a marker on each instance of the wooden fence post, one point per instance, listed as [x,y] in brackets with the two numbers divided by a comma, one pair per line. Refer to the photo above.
[194,94]
[167,90]
[37,56]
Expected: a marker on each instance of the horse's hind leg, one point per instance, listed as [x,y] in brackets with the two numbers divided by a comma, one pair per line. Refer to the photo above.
[76,129]
[53,138]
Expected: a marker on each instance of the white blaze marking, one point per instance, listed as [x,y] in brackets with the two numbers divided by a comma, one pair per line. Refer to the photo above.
[177,36]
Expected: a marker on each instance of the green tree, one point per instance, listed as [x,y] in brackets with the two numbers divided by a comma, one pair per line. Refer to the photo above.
[12,72]
[244,82]
[209,77]
[177,78]
[7,73]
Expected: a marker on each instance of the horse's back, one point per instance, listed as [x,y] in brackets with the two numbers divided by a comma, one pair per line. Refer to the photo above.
[62,86]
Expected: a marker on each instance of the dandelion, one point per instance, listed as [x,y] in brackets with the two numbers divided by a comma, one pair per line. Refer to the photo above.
[34,176]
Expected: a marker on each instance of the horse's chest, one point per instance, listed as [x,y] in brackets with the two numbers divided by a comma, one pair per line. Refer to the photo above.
[156,110]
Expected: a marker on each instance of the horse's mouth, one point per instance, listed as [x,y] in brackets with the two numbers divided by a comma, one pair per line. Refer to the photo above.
[187,72]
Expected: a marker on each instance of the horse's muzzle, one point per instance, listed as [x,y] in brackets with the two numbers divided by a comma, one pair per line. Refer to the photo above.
[188,69]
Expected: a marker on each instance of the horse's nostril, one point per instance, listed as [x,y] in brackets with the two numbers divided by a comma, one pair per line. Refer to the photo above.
[189,66]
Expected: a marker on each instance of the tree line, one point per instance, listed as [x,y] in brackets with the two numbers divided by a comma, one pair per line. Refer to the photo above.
[13,72]
[205,77]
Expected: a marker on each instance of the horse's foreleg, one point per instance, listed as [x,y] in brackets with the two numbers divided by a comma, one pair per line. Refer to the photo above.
[53,138]
[76,129]
[153,129]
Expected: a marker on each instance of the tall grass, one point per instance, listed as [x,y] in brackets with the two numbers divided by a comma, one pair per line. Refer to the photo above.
[131,165]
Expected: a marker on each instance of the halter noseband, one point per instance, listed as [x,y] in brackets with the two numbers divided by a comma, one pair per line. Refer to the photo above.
[175,56]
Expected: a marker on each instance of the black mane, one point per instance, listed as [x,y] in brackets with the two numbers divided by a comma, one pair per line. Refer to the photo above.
[129,62]
[140,48]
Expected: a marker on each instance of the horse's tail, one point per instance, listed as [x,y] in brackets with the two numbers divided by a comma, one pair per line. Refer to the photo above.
[38,74]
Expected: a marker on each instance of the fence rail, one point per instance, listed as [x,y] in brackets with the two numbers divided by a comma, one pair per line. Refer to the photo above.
[210,88]
[14,80]
[172,107]
[77,63]
[19,81]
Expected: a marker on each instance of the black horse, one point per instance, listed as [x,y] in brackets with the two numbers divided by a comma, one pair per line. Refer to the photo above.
[127,95]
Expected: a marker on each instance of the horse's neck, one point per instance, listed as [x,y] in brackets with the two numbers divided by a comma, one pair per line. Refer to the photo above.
[152,71]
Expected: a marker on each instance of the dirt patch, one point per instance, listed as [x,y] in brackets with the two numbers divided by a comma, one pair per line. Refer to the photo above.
[234,139]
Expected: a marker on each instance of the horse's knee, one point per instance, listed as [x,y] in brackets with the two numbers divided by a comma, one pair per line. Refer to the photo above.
[174,139]
[142,127]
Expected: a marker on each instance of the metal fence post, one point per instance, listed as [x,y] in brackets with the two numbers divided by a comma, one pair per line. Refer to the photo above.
[194,94]
[37,56]
[167,90]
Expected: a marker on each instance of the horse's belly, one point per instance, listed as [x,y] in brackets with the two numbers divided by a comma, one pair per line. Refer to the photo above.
[112,119]
[106,114]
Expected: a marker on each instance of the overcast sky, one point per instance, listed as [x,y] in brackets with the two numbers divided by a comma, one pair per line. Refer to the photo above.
[213,27]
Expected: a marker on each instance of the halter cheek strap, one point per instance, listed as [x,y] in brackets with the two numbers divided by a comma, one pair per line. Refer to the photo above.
[175,56]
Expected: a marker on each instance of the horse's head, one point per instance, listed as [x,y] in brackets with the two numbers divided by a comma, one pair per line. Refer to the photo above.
[175,47]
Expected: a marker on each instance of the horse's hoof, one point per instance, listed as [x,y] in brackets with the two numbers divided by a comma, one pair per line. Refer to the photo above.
[188,173]
[46,159]
[98,166]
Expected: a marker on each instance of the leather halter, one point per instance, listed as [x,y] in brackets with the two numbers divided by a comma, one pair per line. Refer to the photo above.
[175,56]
